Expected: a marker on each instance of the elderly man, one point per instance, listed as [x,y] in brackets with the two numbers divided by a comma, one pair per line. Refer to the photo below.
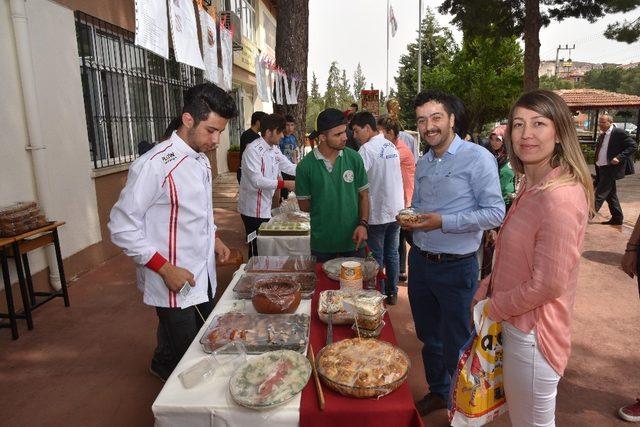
[614,154]
[457,192]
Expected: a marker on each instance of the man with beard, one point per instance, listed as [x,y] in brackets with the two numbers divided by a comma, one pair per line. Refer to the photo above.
[164,221]
[457,192]
[331,184]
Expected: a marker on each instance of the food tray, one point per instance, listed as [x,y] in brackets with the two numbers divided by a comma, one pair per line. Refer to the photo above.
[258,332]
[296,216]
[368,333]
[307,281]
[284,228]
[281,264]
[362,368]
[369,268]
[17,208]
[332,300]
[8,229]
[270,380]
[13,217]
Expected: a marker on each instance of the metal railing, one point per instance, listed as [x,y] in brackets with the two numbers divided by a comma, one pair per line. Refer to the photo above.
[130,94]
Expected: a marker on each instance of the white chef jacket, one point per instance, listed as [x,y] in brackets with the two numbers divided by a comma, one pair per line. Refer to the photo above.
[166,211]
[386,193]
[261,165]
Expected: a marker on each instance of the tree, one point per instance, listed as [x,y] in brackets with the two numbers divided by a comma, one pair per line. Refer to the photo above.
[608,78]
[331,99]
[315,103]
[555,82]
[500,18]
[359,82]
[315,89]
[344,92]
[630,83]
[438,46]
[292,45]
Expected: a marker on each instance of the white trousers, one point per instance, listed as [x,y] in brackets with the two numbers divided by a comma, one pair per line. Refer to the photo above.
[530,383]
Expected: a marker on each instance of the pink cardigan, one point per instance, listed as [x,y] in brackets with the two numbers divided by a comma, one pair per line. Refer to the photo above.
[535,272]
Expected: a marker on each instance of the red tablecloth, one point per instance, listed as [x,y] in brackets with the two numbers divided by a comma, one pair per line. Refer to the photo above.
[396,409]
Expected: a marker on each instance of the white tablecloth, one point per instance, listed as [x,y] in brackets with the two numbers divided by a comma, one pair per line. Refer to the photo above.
[209,404]
[284,245]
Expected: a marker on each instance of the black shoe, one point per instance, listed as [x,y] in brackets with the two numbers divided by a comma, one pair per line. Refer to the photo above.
[431,402]
[392,299]
[612,222]
[402,278]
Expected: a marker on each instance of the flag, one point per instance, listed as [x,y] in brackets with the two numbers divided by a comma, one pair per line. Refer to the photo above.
[393,22]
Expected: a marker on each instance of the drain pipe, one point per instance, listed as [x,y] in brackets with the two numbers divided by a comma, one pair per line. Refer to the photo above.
[35,145]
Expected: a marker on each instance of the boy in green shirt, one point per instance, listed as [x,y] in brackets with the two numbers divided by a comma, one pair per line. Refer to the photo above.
[331,184]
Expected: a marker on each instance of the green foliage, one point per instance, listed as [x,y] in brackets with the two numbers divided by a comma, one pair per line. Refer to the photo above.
[315,89]
[359,82]
[234,148]
[331,99]
[438,46]
[630,83]
[345,98]
[608,78]
[589,153]
[555,82]
[485,73]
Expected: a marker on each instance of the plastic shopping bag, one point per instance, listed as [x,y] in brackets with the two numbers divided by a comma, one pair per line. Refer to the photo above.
[477,390]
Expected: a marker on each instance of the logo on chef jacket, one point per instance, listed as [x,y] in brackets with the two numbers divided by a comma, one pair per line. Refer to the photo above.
[348,176]
[168,157]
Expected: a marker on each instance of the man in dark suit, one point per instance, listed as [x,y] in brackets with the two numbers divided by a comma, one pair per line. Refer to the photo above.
[614,159]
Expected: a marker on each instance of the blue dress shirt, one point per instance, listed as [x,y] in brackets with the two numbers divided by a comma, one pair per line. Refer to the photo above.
[463,186]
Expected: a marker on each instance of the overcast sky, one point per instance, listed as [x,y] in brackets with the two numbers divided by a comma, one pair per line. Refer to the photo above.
[352,31]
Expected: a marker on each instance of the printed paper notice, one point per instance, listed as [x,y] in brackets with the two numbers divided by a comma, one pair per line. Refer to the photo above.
[151,26]
[209,46]
[184,33]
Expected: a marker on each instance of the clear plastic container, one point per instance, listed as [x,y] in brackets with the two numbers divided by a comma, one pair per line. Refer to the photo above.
[368,333]
[223,361]
[370,321]
[258,332]
[281,264]
[244,288]
[408,216]
[276,295]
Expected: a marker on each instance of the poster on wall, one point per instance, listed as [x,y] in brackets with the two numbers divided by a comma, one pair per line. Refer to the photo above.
[209,46]
[151,26]
[227,57]
[184,33]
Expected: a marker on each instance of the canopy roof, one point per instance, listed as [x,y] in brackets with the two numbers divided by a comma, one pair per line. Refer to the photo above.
[597,99]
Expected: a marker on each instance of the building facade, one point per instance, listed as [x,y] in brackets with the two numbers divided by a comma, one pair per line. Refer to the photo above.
[76,88]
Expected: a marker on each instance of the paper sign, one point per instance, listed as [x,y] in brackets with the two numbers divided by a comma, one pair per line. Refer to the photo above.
[151,26]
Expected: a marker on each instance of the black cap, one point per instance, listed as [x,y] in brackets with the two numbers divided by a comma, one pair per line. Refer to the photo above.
[327,119]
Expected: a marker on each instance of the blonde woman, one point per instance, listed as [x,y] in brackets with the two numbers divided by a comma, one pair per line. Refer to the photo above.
[535,274]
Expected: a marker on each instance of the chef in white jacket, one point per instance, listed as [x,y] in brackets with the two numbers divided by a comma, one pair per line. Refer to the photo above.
[262,165]
[164,221]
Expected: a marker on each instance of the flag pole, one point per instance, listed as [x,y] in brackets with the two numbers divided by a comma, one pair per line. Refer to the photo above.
[386,90]
[419,46]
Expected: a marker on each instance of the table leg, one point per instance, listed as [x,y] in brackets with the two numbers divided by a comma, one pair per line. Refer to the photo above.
[17,256]
[7,289]
[27,273]
[63,281]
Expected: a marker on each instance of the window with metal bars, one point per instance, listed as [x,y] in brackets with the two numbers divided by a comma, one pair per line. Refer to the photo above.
[130,94]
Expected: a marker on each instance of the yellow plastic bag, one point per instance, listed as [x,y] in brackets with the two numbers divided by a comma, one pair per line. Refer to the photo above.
[477,390]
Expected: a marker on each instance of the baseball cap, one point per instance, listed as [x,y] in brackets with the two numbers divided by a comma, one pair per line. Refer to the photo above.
[327,119]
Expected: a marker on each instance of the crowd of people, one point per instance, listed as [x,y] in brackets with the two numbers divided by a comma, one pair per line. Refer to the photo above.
[527,196]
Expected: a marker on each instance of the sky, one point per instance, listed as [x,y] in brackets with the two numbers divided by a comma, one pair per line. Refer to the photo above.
[352,31]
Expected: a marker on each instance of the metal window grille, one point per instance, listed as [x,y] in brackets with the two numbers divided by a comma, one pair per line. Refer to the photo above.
[130,94]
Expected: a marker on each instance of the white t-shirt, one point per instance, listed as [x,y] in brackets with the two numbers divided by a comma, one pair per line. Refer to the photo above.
[382,163]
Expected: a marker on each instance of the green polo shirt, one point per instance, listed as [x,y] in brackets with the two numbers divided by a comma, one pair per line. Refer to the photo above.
[334,198]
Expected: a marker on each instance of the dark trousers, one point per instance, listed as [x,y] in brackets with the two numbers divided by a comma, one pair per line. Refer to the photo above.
[284,193]
[440,295]
[252,224]
[239,174]
[328,256]
[177,328]
[402,251]
[606,191]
